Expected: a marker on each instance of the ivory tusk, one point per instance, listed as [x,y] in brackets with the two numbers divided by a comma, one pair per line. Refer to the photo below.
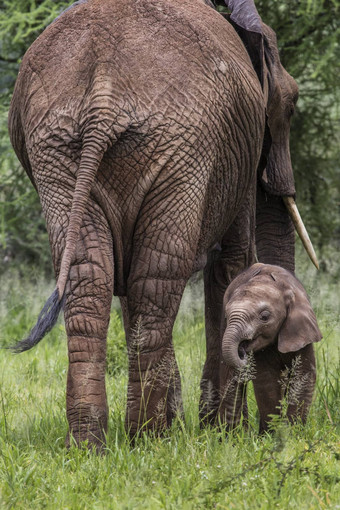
[300,228]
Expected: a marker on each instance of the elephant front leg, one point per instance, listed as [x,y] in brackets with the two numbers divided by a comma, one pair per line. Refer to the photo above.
[268,386]
[233,399]
[87,313]
[215,284]
[237,253]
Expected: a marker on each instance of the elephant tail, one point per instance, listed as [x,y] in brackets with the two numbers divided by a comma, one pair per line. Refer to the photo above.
[91,156]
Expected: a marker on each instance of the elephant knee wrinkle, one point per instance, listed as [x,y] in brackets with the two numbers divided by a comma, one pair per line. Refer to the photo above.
[84,349]
[87,326]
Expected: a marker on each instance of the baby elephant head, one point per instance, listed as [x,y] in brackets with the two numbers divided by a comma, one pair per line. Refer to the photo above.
[264,305]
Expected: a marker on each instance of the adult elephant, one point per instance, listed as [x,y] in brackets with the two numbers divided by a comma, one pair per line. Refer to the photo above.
[141,125]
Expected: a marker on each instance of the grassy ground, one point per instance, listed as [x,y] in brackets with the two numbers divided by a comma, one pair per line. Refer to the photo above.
[189,468]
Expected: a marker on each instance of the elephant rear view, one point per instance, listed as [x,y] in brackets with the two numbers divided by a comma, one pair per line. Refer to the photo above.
[142,125]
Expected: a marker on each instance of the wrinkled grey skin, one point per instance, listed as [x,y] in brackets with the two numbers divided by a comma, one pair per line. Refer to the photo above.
[141,125]
[267,312]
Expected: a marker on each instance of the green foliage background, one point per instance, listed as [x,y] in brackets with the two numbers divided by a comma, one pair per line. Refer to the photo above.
[23,237]
[308,36]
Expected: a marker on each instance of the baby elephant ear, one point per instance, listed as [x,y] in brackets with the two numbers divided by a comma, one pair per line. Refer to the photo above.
[300,327]
[243,278]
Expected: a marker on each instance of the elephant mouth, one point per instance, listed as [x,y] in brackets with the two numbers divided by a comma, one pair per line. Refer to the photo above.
[242,349]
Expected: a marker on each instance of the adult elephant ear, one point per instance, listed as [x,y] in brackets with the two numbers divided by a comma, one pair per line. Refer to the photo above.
[247,23]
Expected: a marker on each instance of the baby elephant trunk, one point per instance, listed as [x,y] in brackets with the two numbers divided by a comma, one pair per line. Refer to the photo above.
[233,352]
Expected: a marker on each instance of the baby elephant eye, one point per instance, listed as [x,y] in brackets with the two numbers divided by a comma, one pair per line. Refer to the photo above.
[264,316]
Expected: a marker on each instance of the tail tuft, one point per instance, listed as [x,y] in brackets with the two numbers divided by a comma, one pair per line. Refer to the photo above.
[46,320]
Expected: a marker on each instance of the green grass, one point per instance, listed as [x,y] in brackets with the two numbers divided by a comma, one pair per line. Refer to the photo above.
[188,468]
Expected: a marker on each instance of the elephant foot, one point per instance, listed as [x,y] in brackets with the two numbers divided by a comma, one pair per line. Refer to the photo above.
[207,417]
[154,412]
[156,425]
[87,427]
[209,403]
[154,395]
[90,437]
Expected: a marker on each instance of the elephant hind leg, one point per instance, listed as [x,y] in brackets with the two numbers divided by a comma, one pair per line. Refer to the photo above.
[161,266]
[154,388]
[87,312]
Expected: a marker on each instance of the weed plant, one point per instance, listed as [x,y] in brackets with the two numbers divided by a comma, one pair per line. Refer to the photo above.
[187,468]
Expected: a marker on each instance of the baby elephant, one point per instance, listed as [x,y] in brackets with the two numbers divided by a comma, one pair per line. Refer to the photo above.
[267,313]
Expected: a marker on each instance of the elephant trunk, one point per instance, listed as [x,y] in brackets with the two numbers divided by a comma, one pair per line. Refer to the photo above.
[275,234]
[232,351]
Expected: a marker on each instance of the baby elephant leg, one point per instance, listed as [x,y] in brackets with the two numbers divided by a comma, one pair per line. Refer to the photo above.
[300,384]
[268,386]
[284,377]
